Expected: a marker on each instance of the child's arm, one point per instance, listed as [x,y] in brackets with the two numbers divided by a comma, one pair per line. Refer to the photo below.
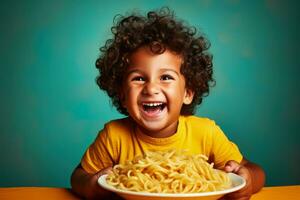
[254,175]
[86,185]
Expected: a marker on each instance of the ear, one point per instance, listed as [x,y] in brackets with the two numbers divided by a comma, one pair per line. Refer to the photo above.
[188,96]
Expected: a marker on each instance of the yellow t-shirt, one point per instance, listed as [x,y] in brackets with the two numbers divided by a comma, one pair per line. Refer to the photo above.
[119,141]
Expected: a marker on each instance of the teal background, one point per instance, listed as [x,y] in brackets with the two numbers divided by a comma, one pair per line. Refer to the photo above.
[51,107]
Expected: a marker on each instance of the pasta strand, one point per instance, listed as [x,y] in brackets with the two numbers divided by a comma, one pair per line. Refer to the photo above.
[168,172]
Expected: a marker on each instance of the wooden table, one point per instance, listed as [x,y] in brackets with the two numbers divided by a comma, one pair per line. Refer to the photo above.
[37,193]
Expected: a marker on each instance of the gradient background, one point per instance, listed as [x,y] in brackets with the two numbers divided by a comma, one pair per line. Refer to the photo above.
[51,108]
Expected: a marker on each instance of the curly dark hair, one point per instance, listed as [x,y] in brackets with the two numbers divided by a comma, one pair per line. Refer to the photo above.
[159,30]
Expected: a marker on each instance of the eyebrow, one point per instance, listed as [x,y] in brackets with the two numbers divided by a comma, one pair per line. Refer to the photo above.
[161,70]
[172,70]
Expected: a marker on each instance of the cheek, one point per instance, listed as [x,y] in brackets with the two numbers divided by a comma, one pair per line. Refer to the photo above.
[130,94]
[173,95]
[177,90]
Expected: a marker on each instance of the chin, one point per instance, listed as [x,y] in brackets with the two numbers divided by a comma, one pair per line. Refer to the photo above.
[154,125]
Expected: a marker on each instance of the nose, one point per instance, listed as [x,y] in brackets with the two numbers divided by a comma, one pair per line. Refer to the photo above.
[151,88]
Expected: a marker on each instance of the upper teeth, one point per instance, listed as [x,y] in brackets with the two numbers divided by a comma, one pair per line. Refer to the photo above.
[152,104]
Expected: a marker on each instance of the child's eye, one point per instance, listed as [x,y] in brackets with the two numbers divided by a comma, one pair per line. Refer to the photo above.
[166,77]
[137,78]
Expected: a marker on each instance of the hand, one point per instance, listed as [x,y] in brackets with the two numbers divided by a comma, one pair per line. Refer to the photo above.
[103,171]
[86,184]
[96,189]
[110,196]
[246,192]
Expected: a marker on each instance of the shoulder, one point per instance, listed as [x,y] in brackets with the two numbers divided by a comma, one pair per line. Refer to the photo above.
[114,133]
[118,128]
[119,124]
[199,126]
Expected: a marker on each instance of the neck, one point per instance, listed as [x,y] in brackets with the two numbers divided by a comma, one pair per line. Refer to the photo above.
[164,133]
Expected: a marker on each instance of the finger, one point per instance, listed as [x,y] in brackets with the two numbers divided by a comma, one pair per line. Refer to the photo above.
[104,171]
[232,166]
[107,170]
[244,172]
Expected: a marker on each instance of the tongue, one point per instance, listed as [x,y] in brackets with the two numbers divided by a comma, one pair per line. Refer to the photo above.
[153,110]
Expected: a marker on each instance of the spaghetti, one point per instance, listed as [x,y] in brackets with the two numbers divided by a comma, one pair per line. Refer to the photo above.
[168,172]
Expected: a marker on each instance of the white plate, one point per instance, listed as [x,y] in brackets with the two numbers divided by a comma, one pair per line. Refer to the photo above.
[238,182]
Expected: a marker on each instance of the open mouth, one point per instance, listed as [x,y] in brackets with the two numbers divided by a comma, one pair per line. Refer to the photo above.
[153,107]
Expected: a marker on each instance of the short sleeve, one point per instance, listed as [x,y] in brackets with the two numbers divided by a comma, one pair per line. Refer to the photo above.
[223,149]
[98,155]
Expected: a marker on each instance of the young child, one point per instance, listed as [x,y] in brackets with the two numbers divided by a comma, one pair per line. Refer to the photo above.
[156,70]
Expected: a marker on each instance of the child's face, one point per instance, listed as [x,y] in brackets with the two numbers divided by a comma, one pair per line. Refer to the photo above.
[154,91]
